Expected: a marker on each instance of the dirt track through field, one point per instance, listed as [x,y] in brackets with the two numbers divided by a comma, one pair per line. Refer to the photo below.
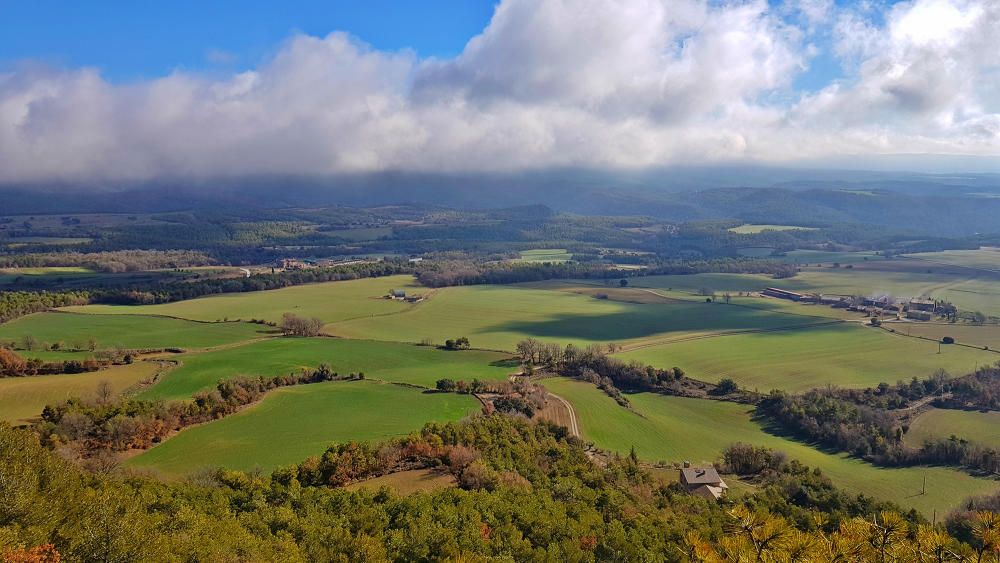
[574,429]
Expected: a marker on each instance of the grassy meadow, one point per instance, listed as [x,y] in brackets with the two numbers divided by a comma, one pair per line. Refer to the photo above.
[974,295]
[753,229]
[697,430]
[389,361]
[130,331]
[693,283]
[407,482]
[845,355]
[330,301]
[972,335]
[22,398]
[293,423]
[45,271]
[974,426]
[987,257]
[545,255]
[497,317]
[829,257]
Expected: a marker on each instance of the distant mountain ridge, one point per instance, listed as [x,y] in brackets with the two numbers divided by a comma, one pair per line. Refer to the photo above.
[944,205]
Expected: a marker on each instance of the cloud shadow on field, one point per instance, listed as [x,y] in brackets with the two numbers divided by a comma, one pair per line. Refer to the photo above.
[645,321]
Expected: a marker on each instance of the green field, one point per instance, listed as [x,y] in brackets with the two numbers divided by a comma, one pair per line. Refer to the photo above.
[973,335]
[130,331]
[752,229]
[331,301]
[694,283]
[545,255]
[677,429]
[829,257]
[974,426]
[45,271]
[389,361]
[974,295]
[845,355]
[497,317]
[987,257]
[362,234]
[25,397]
[293,423]
[64,277]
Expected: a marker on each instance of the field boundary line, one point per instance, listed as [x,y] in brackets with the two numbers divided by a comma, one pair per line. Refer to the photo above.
[156,315]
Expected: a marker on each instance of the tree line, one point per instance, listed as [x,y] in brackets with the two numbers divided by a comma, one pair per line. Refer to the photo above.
[14,304]
[873,433]
[115,261]
[13,364]
[466,272]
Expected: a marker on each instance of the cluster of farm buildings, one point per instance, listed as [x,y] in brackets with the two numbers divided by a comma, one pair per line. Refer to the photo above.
[919,309]
[400,295]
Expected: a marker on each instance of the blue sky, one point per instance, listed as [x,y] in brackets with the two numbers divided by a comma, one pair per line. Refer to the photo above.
[130,40]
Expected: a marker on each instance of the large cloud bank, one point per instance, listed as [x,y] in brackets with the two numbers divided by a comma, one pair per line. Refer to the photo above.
[548,83]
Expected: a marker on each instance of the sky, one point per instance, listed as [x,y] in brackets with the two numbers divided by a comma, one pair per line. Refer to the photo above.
[136,91]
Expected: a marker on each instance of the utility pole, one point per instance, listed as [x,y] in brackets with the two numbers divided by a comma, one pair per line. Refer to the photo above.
[923,489]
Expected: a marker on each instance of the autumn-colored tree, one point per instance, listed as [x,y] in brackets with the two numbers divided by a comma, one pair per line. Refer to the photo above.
[38,554]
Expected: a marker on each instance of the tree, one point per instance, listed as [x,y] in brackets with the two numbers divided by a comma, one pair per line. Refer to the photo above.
[292,324]
[105,392]
[461,343]
[528,350]
[726,386]
[446,385]
[29,342]
[11,364]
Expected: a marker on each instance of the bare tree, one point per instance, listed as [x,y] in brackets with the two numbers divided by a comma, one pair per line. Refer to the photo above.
[105,392]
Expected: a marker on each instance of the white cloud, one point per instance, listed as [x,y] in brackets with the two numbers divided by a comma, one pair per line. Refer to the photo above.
[548,83]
